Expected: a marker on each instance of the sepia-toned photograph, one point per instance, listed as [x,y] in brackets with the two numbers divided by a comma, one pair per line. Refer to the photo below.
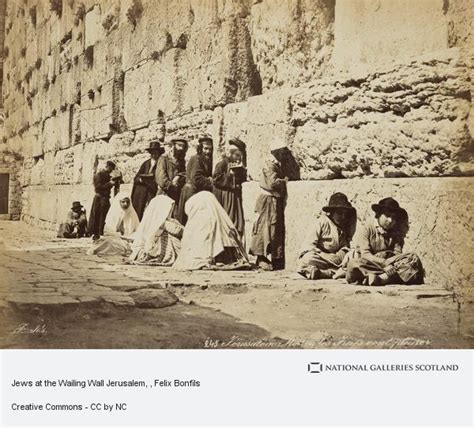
[236,174]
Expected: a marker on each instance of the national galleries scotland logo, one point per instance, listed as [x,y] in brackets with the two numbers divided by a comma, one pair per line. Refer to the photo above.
[319,367]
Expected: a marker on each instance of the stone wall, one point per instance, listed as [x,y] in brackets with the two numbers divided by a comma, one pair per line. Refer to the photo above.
[371,89]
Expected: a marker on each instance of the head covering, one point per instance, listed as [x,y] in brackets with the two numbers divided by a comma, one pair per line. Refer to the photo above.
[158,210]
[155,145]
[205,139]
[179,140]
[388,205]
[110,163]
[338,201]
[277,144]
[208,230]
[236,142]
[118,219]
[76,205]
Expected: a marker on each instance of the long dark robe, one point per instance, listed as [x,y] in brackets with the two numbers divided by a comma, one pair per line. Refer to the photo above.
[268,233]
[100,203]
[228,191]
[167,169]
[143,192]
[198,178]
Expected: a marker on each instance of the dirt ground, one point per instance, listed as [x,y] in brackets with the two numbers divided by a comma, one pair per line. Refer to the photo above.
[52,295]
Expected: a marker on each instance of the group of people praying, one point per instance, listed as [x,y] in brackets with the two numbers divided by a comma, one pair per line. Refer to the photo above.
[189,216]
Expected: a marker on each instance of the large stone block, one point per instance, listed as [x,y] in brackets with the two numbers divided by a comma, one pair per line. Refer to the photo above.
[372,32]
[410,120]
[64,167]
[93,26]
[268,119]
[291,40]
[192,126]
[140,107]
[97,113]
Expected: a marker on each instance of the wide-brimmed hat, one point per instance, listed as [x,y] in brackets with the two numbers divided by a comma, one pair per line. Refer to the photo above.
[338,201]
[76,205]
[236,142]
[154,146]
[388,205]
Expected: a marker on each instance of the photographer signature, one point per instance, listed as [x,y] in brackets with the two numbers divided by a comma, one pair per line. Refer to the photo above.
[25,328]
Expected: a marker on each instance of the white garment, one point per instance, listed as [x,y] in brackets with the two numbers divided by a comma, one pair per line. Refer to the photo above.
[208,230]
[119,220]
[158,210]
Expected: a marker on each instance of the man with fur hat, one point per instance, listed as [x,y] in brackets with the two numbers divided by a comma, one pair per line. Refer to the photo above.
[380,245]
[268,233]
[329,242]
[75,225]
[198,176]
[229,175]
[144,184]
[171,172]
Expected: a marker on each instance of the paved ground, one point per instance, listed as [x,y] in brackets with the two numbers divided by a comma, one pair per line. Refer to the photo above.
[53,295]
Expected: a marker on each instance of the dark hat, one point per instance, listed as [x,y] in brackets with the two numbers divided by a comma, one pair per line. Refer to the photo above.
[388,204]
[179,140]
[338,201]
[205,140]
[111,163]
[76,205]
[238,143]
[155,145]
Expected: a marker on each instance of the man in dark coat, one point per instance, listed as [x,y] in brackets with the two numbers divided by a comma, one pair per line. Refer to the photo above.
[198,176]
[103,183]
[171,172]
[144,184]
[229,174]
[75,225]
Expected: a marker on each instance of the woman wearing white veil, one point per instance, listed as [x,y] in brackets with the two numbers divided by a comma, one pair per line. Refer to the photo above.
[157,239]
[210,239]
[121,223]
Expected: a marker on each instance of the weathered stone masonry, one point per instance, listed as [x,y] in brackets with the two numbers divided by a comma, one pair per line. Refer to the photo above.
[376,92]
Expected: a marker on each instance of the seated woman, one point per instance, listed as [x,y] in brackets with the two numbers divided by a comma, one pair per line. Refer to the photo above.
[330,240]
[210,239]
[121,223]
[75,225]
[381,244]
[157,239]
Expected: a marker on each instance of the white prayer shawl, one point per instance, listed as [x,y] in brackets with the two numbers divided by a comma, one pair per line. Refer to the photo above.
[208,230]
[118,219]
[158,210]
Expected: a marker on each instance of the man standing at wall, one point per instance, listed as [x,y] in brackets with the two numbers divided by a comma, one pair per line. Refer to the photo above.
[144,184]
[171,172]
[103,183]
[198,175]
[229,175]
[268,233]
